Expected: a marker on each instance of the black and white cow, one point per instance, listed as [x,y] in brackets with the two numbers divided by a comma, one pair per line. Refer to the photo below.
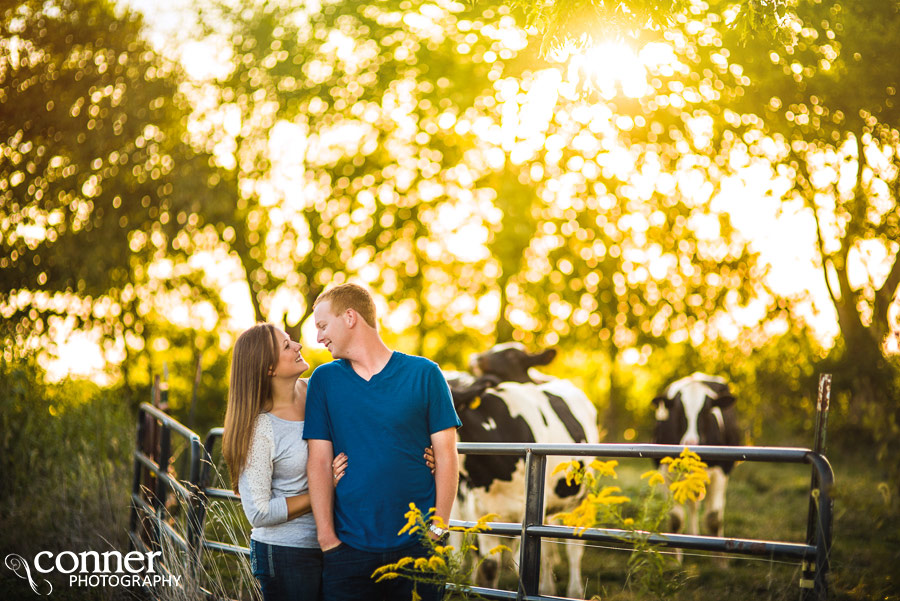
[694,411]
[502,403]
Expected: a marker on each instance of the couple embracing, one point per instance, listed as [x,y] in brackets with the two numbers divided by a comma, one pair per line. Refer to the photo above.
[326,469]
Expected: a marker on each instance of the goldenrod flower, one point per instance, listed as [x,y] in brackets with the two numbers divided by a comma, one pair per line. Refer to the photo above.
[413,516]
[499,549]
[580,518]
[605,468]
[564,466]
[628,522]
[654,478]
[436,562]
[606,496]
[403,562]
[421,563]
[574,471]
[482,523]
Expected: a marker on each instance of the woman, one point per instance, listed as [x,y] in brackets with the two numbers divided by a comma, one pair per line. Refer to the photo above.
[266,455]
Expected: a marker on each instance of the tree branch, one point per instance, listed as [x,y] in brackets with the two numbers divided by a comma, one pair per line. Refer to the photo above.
[884,296]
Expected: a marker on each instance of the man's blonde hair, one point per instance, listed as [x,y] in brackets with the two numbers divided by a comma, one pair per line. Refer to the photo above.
[349,296]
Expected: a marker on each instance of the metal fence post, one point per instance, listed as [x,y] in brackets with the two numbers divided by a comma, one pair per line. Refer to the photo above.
[530,551]
[162,486]
[195,513]
[812,576]
[133,519]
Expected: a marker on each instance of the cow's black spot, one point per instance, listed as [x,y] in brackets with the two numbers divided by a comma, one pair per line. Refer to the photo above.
[482,470]
[564,490]
[575,429]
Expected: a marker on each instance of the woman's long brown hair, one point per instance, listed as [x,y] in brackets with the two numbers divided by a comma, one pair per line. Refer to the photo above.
[249,393]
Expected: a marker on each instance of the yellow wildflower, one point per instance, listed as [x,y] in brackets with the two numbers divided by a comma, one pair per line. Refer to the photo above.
[605,468]
[564,466]
[482,523]
[606,496]
[388,576]
[499,549]
[436,562]
[580,518]
[421,563]
[412,517]
[692,487]
[574,471]
[628,522]
[654,478]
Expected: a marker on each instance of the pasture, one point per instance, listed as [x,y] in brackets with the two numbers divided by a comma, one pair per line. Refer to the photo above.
[69,480]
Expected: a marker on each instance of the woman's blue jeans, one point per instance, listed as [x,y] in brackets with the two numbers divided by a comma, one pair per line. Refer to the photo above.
[287,573]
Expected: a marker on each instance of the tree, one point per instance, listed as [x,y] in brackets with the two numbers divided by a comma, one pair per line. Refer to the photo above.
[382,106]
[96,182]
[830,106]
[590,22]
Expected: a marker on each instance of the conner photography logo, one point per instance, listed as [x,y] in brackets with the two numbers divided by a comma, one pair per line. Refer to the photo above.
[90,569]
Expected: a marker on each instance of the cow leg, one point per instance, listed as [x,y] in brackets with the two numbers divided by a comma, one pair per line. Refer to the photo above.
[574,553]
[715,505]
[488,573]
[676,519]
[693,511]
[549,559]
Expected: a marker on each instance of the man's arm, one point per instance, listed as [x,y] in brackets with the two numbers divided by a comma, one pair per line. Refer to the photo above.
[321,491]
[446,472]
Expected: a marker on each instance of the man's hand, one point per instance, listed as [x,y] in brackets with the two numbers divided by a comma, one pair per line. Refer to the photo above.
[327,543]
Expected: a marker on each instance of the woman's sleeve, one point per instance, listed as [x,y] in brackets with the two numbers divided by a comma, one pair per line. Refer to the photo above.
[255,483]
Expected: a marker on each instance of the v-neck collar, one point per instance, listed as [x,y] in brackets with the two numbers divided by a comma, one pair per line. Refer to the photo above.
[383,371]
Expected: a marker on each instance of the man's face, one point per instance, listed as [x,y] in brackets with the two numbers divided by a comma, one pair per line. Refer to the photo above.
[331,330]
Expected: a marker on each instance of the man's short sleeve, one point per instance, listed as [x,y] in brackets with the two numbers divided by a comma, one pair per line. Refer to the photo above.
[318,424]
[441,413]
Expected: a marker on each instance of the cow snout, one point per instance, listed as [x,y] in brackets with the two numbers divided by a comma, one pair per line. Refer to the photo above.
[690,441]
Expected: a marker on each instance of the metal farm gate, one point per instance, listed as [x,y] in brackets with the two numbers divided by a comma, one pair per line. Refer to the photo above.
[151,527]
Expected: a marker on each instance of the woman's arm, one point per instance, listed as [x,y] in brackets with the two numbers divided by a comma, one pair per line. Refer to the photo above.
[255,483]
[301,504]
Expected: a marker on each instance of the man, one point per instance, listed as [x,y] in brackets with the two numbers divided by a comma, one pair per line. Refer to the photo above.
[381,408]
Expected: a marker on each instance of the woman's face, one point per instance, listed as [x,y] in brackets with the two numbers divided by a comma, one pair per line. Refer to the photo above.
[289,362]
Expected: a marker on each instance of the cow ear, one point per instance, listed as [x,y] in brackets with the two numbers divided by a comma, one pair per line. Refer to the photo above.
[470,396]
[662,408]
[663,400]
[542,358]
[724,400]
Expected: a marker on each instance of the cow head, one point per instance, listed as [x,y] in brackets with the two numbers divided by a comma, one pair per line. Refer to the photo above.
[690,411]
[509,362]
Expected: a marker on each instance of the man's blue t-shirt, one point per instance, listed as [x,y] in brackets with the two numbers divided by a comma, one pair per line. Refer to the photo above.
[383,425]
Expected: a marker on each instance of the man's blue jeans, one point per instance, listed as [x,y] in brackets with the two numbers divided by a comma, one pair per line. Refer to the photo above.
[287,573]
[347,576]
